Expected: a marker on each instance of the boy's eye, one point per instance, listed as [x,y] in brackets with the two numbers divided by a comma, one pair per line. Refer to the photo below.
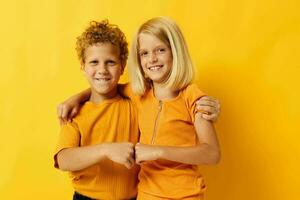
[110,63]
[93,62]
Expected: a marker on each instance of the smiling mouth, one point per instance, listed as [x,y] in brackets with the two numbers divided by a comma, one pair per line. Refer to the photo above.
[102,80]
[155,68]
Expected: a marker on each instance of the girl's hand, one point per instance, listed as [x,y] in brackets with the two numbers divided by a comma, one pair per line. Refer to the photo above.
[209,107]
[122,153]
[67,110]
[145,152]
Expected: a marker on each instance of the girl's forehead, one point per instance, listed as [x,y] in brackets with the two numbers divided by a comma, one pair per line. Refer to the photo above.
[144,35]
[147,38]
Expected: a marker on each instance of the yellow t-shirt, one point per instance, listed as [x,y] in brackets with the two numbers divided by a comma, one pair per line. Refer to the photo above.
[168,123]
[113,120]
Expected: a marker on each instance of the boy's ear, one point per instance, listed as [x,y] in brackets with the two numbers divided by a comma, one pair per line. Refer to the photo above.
[82,65]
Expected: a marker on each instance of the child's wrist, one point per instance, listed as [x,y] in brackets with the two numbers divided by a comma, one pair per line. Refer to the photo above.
[160,153]
[103,151]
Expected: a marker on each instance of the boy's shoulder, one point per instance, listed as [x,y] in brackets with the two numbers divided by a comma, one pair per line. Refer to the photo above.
[89,107]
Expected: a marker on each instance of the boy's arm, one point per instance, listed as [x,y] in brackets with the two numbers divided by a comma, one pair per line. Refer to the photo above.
[69,108]
[77,158]
[209,107]
[206,152]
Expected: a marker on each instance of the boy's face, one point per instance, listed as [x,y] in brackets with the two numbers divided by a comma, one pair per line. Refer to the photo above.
[103,68]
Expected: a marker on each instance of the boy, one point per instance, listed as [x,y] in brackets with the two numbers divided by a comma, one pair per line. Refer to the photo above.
[97,146]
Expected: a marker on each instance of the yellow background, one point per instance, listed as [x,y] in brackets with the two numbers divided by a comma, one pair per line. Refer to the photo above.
[247,55]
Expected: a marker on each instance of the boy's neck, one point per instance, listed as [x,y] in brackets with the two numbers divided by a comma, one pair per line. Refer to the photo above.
[98,98]
[162,93]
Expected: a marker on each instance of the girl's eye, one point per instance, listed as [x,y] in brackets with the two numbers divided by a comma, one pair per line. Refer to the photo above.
[143,53]
[161,50]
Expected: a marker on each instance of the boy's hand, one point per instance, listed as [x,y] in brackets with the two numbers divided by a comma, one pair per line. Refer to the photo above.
[67,110]
[122,153]
[145,152]
[209,107]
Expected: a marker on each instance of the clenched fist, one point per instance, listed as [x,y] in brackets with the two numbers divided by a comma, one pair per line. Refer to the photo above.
[145,152]
[122,153]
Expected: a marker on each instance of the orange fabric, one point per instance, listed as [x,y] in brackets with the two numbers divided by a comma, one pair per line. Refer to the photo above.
[142,195]
[114,120]
[168,123]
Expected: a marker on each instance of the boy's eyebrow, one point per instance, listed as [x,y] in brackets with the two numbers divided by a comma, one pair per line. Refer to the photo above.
[93,60]
[110,60]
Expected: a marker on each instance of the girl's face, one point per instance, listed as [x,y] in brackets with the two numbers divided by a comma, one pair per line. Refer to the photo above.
[156,58]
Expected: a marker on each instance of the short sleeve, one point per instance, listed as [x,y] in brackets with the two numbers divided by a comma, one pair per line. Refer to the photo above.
[192,93]
[69,136]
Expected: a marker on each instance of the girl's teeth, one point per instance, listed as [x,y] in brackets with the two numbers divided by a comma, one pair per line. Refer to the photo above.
[155,68]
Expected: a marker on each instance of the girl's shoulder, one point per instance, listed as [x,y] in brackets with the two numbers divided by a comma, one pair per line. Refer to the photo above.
[192,92]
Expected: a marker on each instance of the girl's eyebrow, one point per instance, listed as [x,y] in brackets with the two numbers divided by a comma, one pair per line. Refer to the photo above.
[157,46]
[162,46]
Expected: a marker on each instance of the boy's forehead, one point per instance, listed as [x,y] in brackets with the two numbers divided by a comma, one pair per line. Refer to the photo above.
[106,48]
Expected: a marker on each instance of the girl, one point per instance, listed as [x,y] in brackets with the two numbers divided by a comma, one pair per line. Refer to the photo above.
[174,139]
[174,136]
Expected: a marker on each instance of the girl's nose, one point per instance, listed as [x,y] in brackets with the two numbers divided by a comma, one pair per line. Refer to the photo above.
[153,58]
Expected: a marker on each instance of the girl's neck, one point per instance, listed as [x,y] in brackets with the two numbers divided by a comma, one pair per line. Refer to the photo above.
[163,93]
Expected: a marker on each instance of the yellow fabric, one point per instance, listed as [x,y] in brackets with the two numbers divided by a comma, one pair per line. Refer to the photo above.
[174,127]
[113,120]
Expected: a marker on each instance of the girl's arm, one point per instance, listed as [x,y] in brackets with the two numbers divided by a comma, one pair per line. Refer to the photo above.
[206,152]
[69,108]
[77,158]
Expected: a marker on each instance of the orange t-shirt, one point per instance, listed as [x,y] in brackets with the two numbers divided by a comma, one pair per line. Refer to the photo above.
[113,120]
[168,123]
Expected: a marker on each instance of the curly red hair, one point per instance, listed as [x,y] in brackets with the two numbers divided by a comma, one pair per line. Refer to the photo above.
[102,32]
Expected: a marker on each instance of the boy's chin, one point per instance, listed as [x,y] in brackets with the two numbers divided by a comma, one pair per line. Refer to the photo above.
[105,91]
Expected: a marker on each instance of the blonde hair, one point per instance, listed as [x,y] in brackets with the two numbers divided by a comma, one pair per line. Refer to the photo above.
[168,32]
[102,32]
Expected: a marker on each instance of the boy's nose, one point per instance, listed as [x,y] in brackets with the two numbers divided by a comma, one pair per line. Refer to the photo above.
[102,69]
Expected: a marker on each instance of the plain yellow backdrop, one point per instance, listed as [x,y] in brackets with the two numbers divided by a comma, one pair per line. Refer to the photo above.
[246,53]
